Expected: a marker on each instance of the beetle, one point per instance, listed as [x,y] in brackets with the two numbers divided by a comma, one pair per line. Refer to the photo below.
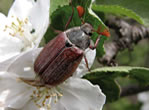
[61,56]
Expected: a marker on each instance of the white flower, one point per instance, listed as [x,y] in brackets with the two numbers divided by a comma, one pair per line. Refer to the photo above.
[74,94]
[24,27]
[144,98]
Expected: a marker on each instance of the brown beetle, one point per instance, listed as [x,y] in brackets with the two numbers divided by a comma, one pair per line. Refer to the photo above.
[62,55]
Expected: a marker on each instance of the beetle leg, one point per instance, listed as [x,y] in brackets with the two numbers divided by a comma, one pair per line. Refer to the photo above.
[96,43]
[70,18]
[32,82]
[86,62]
[56,31]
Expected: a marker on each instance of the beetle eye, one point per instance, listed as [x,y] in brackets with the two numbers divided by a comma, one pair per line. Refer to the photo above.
[67,44]
[90,34]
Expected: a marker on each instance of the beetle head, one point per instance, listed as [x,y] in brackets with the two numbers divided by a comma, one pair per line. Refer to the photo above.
[80,36]
[87,29]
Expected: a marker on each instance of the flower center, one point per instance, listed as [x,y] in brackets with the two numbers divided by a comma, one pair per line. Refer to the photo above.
[43,96]
[17,27]
[21,29]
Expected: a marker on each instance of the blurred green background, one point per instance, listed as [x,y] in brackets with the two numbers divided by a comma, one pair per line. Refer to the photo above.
[5,5]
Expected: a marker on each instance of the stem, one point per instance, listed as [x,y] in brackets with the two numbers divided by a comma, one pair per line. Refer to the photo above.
[128,34]
[132,90]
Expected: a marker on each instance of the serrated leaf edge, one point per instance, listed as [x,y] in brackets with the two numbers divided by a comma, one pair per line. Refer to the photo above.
[136,16]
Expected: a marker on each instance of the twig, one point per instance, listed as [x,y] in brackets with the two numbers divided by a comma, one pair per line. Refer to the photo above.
[128,35]
[132,90]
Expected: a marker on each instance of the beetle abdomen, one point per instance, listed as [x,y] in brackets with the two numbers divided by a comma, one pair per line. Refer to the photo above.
[62,66]
[49,53]
[57,61]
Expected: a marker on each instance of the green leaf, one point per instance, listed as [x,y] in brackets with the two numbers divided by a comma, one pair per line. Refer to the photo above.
[59,19]
[140,7]
[109,87]
[118,10]
[100,49]
[54,4]
[89,16]
[141,75]
[105,78]
[123,104]
[83,3]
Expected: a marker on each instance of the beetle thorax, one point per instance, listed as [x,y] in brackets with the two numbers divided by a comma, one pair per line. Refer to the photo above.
[80,36]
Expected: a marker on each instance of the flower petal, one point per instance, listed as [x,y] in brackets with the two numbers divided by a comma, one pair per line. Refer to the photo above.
[9,47]
[15,91]
[82,69]
[145,106]
[2,21]
[21,8]
[5,64]
[80,94]
[39,18]
[7,108]
[30,106]
[36,11]
[23,65]
[144,98]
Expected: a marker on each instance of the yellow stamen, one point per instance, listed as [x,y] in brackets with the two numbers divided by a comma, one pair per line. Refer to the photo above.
[17,28]
[42,96]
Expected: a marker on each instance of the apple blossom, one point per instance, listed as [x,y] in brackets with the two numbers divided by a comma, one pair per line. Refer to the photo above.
[24,27]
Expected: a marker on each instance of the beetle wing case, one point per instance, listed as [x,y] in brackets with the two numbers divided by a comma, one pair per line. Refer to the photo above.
[57,62]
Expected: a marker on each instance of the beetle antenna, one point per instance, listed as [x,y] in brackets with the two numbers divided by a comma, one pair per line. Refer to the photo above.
[81,12]
[104,33]
[70,18]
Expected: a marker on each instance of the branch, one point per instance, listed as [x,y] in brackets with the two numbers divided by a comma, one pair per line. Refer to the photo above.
[127,36]
[132,90]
